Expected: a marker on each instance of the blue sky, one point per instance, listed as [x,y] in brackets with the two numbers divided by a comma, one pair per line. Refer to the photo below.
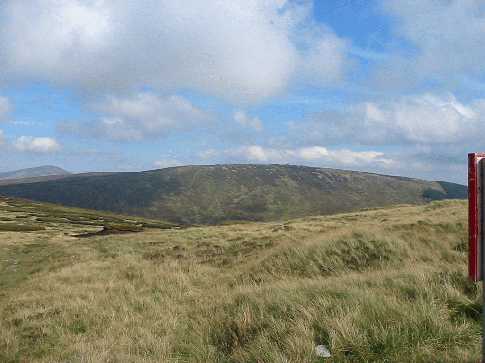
[385,86]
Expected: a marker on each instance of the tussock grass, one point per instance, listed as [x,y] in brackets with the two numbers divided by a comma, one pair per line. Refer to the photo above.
[384,285]
[323,258]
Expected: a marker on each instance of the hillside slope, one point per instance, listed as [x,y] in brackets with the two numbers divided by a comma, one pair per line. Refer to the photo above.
[385,285]
[37,179]
[214,194]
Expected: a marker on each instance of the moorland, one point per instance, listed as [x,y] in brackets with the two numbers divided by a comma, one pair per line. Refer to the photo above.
[376,285]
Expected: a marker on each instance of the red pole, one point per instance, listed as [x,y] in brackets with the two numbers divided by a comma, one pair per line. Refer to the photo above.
[475,227]
[473,215]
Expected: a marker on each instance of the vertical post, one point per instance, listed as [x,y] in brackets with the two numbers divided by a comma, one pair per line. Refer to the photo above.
[473,220]
[476,220]
[480,200]
[480,165]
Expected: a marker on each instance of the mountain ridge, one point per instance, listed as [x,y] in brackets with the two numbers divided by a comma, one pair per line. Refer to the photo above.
[212,194]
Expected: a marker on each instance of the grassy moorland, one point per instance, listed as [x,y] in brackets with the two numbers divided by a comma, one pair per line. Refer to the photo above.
[383,285]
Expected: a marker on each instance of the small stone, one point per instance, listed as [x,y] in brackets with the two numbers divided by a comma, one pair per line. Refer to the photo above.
[322,351]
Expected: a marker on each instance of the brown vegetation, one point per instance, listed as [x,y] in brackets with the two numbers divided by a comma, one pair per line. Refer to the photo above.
[384,285]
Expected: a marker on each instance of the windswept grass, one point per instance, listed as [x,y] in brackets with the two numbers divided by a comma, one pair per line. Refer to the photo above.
[384,285]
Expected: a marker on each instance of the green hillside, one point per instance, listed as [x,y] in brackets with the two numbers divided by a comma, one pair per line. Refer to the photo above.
[221,193]
[384,285]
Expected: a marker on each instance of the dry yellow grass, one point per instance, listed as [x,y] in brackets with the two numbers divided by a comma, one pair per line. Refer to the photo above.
[384,285]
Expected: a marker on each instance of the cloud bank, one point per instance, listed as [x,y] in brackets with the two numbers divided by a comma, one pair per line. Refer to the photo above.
[445,41]
[316,155]
[421,119]
[141,116]
[239,50]
[36,144]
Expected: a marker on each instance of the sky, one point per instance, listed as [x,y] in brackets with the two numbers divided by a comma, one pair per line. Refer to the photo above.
[388,86]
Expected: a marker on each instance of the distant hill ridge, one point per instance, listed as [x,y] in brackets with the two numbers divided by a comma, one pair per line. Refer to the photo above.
[220,193]
[40,171]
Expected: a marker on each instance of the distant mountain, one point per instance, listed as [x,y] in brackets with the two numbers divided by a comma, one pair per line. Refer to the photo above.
[40,171]
[220,193]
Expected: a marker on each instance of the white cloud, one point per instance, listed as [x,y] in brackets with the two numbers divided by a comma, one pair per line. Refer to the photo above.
[258,153]
[324,58]
[240,50]
[448,37]
[5,107]
[2,138]
[420,119]
[166,163]
[142,116]
[36,144]
[250,122]
[426,135]
[208,154]
[313,154]
[424,119]
[358,158]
